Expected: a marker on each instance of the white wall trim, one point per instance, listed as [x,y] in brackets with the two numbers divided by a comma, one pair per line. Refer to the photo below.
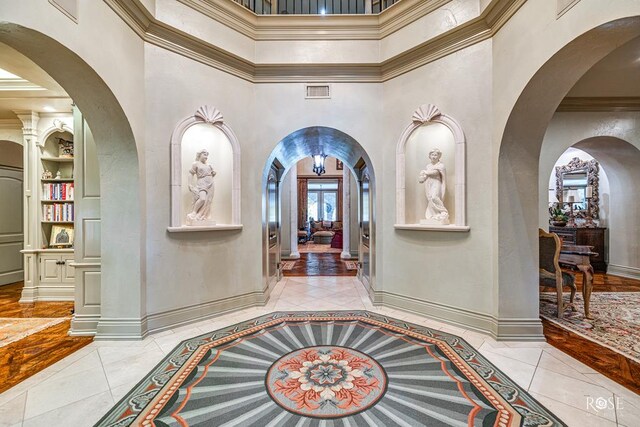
[169,319]
[425,114]
[212,116]
[121,329]
[518,329]
[84,325]
[624,271]
[469,33]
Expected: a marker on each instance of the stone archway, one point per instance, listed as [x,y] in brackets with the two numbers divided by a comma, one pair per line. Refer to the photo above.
[518,163]
[332,142]
[122,257]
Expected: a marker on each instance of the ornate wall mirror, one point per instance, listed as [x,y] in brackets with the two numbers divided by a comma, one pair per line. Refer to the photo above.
[573,181]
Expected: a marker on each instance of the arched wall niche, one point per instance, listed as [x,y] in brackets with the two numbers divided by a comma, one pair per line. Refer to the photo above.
[205,129]
[58,126]
[430,129]
[518,176]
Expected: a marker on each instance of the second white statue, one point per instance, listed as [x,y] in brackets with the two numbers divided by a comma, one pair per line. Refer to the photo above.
[434,177]
[202,190]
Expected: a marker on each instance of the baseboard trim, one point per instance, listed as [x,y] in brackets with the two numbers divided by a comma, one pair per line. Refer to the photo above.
[55,293]
[170,319]
[624,271]
[445,313]
[11,277]
[516,329]
[84,325]
[121,329]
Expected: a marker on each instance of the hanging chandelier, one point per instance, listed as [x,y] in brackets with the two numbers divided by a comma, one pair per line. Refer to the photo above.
[318,163]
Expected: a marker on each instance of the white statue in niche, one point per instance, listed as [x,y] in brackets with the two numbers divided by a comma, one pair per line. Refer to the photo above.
[434,177]
[202,190]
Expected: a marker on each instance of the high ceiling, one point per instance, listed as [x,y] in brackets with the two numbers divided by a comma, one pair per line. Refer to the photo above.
[39,93]
[616,75]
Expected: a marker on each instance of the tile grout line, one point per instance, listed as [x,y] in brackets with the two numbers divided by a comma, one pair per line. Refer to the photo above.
[105,374]
[534,372]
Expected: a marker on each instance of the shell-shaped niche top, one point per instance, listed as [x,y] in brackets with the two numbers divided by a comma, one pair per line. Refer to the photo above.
[209,115]
[425,113]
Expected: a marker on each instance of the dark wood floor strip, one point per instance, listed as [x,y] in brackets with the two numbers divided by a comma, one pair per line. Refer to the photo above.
[319,264]
[613,365]
[30,355]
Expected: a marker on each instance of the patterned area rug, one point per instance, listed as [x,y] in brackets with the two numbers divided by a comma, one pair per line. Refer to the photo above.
[310,246]
[288,265]
[327,369]
[616,322]
[351,265]
[13,329]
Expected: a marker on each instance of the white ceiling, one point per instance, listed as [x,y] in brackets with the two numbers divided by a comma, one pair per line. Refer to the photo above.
[616,75]
[52,98]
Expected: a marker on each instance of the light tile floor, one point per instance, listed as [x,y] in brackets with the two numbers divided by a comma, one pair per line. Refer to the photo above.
[79,389]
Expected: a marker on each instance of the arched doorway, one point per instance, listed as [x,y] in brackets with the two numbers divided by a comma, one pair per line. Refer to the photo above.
[306,143]
[519,160]
[121,290]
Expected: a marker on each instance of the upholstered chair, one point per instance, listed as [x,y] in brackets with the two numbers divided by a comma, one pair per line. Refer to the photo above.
[550,273]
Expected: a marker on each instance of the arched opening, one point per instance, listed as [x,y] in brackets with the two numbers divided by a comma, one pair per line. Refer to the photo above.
[120,290]
[534,137]
[519,159]
[283,163]
[618,197]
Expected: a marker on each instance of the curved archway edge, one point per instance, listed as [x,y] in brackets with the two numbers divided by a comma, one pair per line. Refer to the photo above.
[332,142]
[122,287]
[518,170]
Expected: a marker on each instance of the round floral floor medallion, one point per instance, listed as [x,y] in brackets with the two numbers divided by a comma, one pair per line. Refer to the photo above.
[326,382]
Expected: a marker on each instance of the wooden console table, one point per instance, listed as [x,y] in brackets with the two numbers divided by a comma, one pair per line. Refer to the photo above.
[579,256]
[594,237]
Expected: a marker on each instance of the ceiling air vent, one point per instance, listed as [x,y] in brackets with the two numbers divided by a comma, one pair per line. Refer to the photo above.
[320,91]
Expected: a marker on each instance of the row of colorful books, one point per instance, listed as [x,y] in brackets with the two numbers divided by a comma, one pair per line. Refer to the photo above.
[55,191]
[57,212]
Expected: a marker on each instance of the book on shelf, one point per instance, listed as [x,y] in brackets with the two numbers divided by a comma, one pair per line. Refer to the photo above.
[58,212]
[57,191]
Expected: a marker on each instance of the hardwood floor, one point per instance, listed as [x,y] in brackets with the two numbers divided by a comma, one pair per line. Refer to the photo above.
[319,264]
[613,365]
[23,358]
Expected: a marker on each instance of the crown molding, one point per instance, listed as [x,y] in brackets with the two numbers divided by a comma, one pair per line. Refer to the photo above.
[314,27]
[155,32]
[599,104]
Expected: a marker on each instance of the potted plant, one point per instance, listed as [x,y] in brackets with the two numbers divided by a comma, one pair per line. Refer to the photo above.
[558,217]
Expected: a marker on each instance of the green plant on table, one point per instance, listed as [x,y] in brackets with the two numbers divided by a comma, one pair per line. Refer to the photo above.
[557,214]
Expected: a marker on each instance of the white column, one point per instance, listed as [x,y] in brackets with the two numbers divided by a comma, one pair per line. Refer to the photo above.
[294,212]
[31,185]
[346,213]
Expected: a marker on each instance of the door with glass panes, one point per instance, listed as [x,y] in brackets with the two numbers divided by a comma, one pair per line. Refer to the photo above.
[322,200]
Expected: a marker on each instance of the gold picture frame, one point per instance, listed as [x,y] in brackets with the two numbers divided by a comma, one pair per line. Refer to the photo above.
[61,236]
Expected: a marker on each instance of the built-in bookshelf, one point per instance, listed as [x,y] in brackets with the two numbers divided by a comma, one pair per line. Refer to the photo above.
[57,209]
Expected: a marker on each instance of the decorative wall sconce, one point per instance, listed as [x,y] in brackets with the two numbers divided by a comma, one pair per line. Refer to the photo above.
[318,163]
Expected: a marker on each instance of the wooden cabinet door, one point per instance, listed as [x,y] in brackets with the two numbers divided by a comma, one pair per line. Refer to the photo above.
[50,271]
[67,272]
